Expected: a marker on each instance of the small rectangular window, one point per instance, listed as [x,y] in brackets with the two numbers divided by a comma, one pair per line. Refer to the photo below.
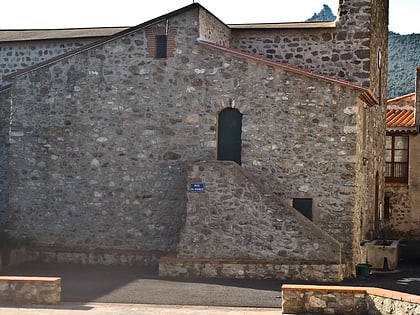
[304,206]
[161,46]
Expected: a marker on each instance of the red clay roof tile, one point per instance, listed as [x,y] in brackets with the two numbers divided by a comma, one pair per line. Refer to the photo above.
[401,112]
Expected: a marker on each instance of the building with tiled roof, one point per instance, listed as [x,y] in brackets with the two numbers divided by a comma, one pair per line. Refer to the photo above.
[211,148]
[400,115]
[402,175]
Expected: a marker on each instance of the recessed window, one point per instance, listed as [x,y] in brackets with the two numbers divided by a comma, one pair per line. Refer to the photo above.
[161,46]
[304,206]
[396,159]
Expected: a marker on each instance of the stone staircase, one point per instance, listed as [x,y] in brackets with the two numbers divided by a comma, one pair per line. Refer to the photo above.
[236,228]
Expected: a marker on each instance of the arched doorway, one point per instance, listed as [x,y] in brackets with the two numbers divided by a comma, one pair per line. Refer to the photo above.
[229,132]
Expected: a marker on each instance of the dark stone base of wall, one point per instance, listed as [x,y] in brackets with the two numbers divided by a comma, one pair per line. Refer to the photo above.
[95,256]
[251,269]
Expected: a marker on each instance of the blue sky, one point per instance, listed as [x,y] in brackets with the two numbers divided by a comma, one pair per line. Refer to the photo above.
[31,14]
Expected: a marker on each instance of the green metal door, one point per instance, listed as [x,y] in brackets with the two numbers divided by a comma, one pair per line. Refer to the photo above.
[229,142]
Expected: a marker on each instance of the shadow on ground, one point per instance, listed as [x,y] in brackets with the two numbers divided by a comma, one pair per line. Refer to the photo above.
[137,285]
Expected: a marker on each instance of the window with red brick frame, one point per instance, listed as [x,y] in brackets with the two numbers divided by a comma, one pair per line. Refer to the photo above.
[161,42]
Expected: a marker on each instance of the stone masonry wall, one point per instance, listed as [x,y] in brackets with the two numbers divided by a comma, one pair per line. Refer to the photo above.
[368,165]
[213,30]
[14,56]
[17,55]
[404,220]
[101,162]
[4,156]
[30,290]
[342,52]
[313,299]
[236,217]
[102,140]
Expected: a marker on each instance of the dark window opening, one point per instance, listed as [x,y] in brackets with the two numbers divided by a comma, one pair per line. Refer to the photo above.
[304,206]
[396,159]
[161,46]
[387,209]
[229,132]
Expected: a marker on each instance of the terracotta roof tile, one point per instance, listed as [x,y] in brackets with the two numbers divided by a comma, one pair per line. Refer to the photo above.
[400,118]
[401,113]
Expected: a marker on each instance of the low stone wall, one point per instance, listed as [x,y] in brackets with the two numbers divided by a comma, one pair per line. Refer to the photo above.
[304,299]
[250,269]
[94,256]
[29,290]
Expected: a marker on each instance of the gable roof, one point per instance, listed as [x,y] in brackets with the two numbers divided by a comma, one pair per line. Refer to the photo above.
[401,114]
[366,94]
[98,43]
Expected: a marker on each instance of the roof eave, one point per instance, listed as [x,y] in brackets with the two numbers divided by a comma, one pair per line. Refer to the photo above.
[369,98]
[401,130]
[290,25]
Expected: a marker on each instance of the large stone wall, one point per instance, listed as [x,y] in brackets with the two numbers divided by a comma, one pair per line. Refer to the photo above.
[101,140]
[109,132]
[343,51]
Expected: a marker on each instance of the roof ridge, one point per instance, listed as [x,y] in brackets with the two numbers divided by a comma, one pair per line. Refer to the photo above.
[401,97]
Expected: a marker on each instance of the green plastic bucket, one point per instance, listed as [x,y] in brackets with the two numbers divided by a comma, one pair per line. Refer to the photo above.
[363,269]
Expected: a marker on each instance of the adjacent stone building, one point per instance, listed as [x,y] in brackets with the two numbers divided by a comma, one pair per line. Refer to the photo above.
[239,150]
[401,214]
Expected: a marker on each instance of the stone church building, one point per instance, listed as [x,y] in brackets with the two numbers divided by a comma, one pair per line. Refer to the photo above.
[207,149]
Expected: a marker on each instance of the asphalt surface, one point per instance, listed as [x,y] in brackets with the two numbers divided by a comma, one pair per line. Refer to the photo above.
[135,309]
[135,285]
[103,290]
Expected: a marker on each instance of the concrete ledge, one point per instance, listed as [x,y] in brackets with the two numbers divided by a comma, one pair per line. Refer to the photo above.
[251,269]
[314,299]
[29,290]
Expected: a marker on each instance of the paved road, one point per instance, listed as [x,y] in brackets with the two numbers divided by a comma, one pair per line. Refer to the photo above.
[136,309]
[133,285]
[92,290]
